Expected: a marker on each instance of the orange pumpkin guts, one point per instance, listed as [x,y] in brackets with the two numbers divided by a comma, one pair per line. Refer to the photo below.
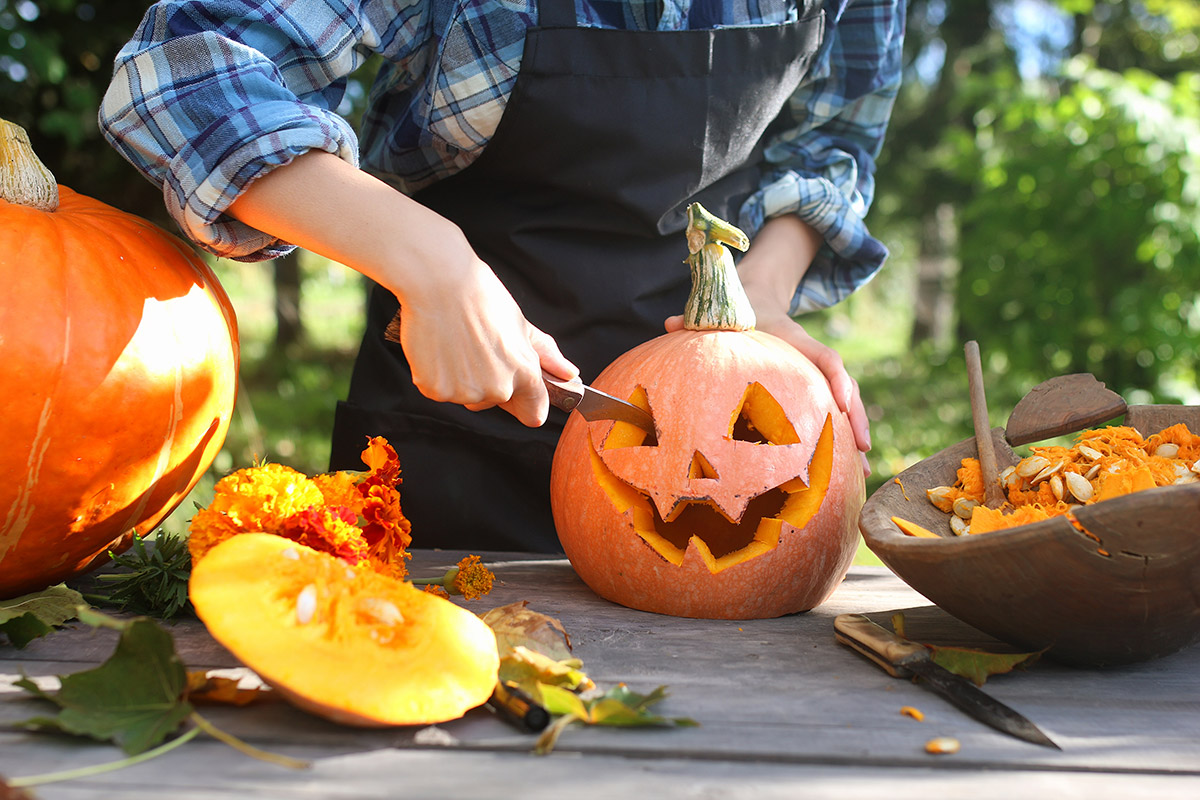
[119,365]
[351,645]
[747,504]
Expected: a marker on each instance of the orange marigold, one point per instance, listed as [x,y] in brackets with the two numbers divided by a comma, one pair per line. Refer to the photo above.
[472,579]
[254,499]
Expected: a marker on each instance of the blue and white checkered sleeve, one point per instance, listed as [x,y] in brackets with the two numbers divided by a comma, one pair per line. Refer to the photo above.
[211,94]
[823,170]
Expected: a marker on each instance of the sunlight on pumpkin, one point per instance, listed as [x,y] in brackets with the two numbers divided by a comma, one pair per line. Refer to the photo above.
[720,541]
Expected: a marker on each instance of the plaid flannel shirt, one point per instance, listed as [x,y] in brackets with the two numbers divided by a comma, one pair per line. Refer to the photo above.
[211,94]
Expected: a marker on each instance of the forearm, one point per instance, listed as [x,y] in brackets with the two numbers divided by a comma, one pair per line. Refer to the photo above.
[776,262]
[323,204]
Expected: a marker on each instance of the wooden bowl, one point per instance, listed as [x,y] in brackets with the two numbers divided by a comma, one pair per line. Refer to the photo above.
[1132,596]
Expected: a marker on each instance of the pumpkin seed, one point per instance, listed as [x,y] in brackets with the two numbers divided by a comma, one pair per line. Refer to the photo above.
[378,610]
[1032,466]
[962,507]
[1189,478]
[942,745]
[291,554]
[939,495]
[1090,453]
[1196,466]
[1167,450]
[1047,472]
[1093,472]
[1056,486]
[959,526]
[1079,486]
[1009,477]
[306,604]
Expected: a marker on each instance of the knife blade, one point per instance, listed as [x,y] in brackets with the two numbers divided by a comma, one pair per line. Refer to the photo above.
[593,404]
[902,658]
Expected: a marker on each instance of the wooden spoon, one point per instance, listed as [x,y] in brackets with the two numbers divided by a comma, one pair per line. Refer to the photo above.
[994,497]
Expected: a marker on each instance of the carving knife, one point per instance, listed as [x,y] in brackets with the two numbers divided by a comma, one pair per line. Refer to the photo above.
[593,404]
[573,395]
[902,659]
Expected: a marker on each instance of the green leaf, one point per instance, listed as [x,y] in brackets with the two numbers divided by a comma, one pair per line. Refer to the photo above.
[530,670]
[151,581]
[979,665]
[135,698]
[29,616]
[618,707]
[975,665]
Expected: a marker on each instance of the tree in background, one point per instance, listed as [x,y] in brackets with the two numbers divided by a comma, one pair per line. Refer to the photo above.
[1052,148]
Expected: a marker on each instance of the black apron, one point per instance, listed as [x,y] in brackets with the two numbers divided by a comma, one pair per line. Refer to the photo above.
[578,204]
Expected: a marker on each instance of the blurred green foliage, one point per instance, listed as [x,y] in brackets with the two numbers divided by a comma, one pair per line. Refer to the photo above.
[1062,135]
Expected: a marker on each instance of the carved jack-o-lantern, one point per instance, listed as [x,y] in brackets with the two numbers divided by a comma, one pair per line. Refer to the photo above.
[744,504]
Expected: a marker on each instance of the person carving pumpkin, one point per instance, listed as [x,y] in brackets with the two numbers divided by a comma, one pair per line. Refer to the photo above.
[519,189]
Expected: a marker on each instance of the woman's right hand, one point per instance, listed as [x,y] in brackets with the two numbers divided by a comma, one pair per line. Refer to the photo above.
[467,342]
[464,336]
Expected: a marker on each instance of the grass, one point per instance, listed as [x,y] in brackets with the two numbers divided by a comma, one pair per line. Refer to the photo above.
[916,399]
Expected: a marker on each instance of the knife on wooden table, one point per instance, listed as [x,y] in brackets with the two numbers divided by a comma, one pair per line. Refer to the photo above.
[902,658]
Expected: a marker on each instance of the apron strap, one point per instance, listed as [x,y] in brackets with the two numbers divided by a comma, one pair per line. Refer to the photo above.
[557,14]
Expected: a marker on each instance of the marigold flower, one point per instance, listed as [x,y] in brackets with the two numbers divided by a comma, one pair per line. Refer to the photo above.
[254,499]
[436,588]
[472,579]
[468,578]
[330,530]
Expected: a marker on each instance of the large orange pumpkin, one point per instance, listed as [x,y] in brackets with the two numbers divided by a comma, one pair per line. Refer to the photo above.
[746,505]
[118,362]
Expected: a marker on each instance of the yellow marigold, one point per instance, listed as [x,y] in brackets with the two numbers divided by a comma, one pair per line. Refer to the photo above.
[340,489]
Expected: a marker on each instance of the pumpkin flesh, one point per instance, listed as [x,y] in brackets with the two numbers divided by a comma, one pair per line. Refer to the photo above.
[351,645]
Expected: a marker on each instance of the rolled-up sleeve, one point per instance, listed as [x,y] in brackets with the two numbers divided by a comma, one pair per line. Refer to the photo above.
[212,94]
[823,170]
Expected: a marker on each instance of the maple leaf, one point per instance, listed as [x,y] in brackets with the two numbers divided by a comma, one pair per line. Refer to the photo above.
[25,618]
[135,698]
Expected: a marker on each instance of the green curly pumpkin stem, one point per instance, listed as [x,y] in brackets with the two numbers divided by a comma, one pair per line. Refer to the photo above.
[24,179]
[717,300]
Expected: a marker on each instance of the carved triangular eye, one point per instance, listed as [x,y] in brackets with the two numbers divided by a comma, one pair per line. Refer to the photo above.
[701,468]
[761,420]
[624,434]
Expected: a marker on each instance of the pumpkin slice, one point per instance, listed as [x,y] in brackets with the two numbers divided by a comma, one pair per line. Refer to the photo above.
[350,645]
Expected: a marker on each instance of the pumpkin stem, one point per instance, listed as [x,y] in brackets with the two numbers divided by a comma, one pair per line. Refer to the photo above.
[717,300]
[24,179]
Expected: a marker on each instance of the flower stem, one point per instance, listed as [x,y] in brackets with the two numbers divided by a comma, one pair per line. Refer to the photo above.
[99,769]
[244,747]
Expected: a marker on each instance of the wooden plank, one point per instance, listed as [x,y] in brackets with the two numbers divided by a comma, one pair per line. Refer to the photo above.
[776,695]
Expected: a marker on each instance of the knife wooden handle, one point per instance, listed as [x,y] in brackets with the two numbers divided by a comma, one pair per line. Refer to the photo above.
[878,644]
[563,394]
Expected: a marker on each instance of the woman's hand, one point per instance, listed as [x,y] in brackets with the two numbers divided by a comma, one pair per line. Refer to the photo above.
[770,272]
[464,336]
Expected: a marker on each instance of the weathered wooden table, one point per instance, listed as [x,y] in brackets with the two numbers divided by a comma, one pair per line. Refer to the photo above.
[784,712]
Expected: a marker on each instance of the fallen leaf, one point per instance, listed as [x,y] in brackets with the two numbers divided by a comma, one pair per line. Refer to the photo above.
[973,664]
[25,618]
[135,698]
[530,670]
[206,689]
[516,625]
[619,706]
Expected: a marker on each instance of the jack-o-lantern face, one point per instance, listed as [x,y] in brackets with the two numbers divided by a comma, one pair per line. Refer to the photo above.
[744,505]
[724,483]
